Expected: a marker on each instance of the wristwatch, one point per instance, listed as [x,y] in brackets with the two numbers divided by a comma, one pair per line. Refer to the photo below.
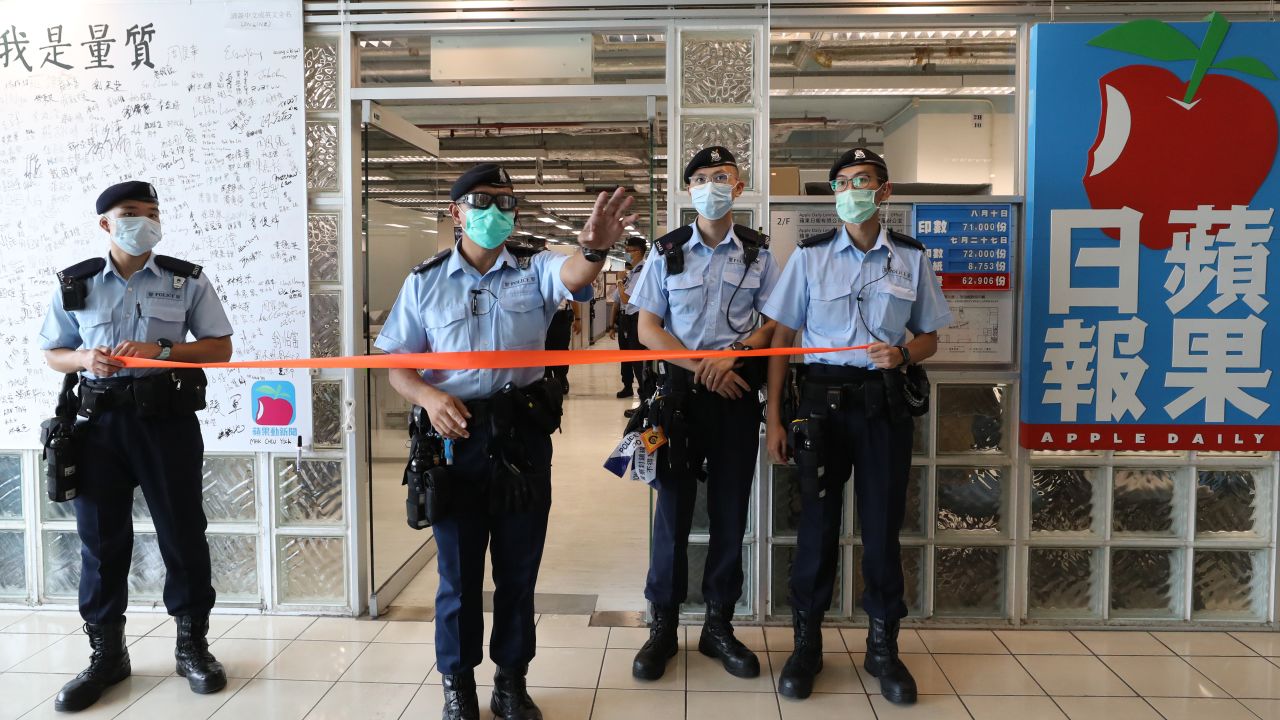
[906,355]
[593,255]
[739,346]
[166,348]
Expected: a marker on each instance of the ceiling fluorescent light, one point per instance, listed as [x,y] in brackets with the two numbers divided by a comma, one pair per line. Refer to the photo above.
[564,227]
[395,225]
[547,220]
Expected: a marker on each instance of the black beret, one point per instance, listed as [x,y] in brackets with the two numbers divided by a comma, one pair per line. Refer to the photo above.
[857,156]
[132,190]
[482,174]
[713,156]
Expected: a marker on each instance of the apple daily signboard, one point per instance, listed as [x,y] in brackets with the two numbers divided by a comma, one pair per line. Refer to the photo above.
[1152,186]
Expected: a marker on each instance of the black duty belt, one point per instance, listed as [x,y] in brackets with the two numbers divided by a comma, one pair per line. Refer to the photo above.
[839,385]
[110,393]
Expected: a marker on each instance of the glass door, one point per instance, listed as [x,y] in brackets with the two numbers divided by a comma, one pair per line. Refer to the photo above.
[404,211]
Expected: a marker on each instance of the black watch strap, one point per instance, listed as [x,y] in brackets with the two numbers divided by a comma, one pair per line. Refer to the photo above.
[594,255]
[906,354]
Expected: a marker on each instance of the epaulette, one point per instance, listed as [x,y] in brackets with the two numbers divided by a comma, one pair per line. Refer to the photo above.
[814,240]
[431,262]
[72,282]
[904,239]
[671,246]
[181,269]
[752,241]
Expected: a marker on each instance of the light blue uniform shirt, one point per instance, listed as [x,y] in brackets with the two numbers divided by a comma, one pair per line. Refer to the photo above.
[692,304]
[819,289]
[144,308]
[453,308]
[633,279]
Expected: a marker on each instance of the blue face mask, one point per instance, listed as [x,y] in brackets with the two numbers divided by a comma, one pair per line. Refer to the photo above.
[489,227]
[856,206]
[713,200]
[136,235]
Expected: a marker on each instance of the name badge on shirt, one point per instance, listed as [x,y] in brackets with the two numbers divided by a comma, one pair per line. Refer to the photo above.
[178,282]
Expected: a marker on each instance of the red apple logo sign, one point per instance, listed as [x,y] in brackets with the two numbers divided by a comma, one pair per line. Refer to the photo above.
[1164,144]
[273,403]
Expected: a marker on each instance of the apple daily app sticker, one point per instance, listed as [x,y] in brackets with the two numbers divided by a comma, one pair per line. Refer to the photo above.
[1152,187]
[274,403]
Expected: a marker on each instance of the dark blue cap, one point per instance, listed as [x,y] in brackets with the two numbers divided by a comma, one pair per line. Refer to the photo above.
[857,156]
[714,156]
[132,190]
[483,174]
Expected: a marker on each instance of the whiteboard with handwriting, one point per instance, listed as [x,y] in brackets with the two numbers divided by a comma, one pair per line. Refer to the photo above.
[202,98]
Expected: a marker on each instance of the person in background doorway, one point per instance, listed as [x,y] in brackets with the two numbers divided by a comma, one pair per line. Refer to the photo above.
[565,323]
[626,318]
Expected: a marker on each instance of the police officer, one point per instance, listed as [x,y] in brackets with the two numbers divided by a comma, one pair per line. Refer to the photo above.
[142,430]
[485,295]
[626,318]
[702,289]
[858,284]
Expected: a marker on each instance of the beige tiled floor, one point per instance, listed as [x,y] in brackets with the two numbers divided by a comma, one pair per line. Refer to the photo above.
[322,669]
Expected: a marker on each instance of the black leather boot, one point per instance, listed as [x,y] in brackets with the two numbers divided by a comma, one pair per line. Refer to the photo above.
[511,699]
[460,701]
[662,645]
[805,662]
[718,642]
[108,665]
[194,662]
[896,683]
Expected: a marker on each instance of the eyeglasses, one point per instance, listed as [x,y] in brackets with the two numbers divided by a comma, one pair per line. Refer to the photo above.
[482,200]
[857,182]
[718,178]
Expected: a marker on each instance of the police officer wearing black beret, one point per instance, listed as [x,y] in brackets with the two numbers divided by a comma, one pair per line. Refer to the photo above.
[486,294]
[141,430]
[702,289]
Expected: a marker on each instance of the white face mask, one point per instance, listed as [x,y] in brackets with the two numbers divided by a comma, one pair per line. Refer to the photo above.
[712,200]
[136,235]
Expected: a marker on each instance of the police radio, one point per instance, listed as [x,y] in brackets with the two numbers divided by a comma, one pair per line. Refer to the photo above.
[60,437]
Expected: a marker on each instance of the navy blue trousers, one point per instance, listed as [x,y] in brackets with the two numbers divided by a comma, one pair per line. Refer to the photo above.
[514,541]
[726,433]
[165,457]
[878,452]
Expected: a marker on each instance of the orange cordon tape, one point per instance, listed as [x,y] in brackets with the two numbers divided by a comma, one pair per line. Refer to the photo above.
[485,360]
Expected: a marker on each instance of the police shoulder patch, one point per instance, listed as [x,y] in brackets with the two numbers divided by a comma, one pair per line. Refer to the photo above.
[904,239]
[178,267]
[813,240]
[431,262]
[84,269]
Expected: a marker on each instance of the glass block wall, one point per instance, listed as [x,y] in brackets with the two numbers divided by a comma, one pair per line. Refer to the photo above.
[720,100]
[993,534]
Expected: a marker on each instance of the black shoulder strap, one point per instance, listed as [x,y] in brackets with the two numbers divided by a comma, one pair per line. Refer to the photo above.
[523,253]
[72,282]
[903,239]
[671,246]
[752,241]
[811,241]
[431,262]
[179,267]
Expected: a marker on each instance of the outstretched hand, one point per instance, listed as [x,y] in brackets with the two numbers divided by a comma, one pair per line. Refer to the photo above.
[608,220]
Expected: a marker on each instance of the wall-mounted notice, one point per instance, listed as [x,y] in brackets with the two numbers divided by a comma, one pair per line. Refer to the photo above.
[970,245]
[201,98]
